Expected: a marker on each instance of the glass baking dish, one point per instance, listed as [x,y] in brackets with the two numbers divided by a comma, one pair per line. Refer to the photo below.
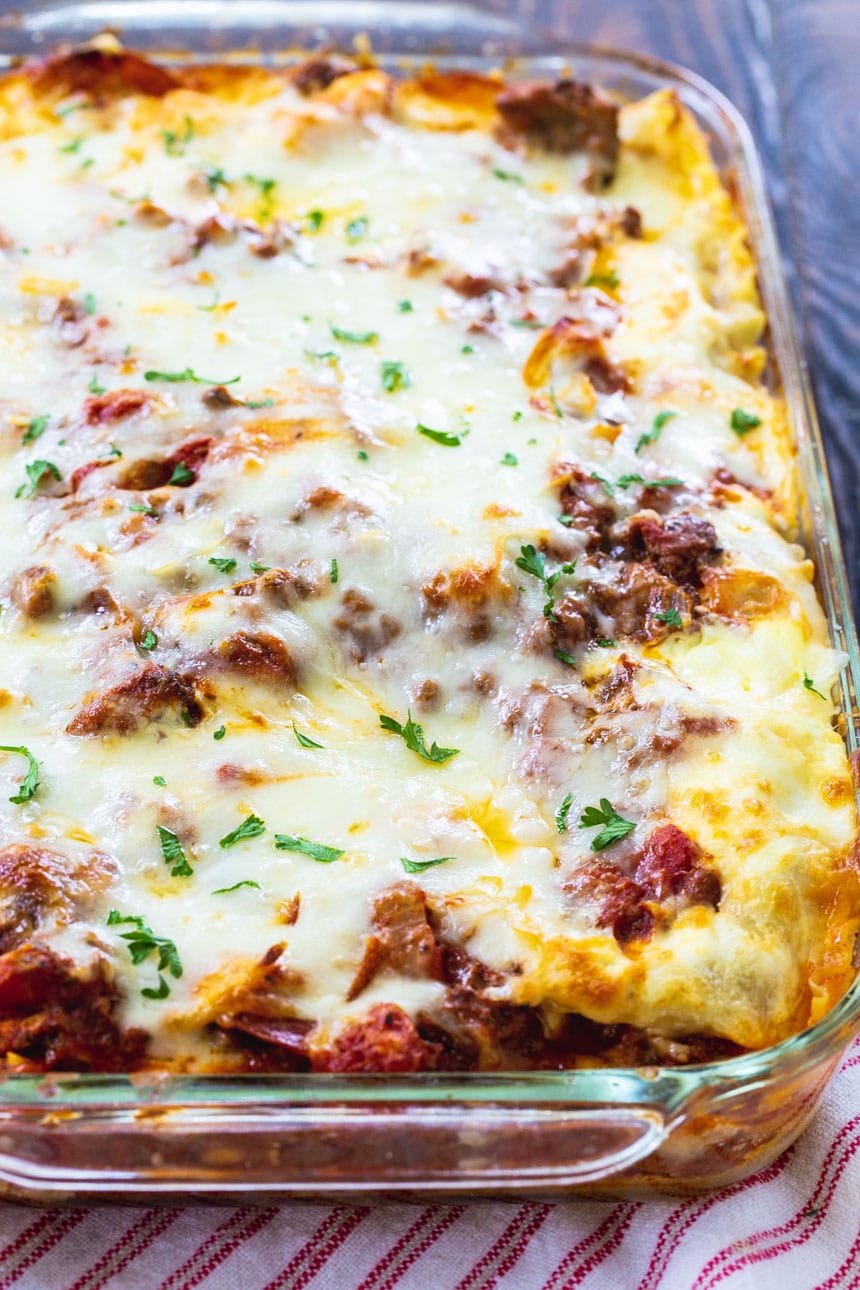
[601,1132]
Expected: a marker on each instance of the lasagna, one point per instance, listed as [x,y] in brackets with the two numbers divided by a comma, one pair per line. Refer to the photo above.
[408,659]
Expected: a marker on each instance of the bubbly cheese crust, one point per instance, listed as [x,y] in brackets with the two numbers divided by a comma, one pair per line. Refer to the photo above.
[327,398]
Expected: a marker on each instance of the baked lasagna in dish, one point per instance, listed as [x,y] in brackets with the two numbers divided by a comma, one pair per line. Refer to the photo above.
[408,659]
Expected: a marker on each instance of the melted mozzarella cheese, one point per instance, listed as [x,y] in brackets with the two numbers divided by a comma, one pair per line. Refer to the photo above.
[336,350]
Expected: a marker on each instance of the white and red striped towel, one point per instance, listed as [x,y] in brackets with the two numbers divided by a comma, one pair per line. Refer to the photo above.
[794,1226]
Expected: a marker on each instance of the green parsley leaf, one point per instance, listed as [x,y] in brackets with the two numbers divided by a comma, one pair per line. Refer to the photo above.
[159,780]
[556,406]
[413,736]
[742,422]
[565,658]
[670,481]
[333,572]
[161,993]
[532,561]
[73,146]
[394,377]
[187,374]
[808,684]
[181,476]
[354,337]
[89,303]
[610,280]
[37,427]
[172,140]
[445,437]
[405,306]
[605,642]
[356,228]
[566,520]
[171,849]
[266,186]
[36,472]
[518,416]
[507,175]
[142,508]
[327,355]
[419,866]
[607,487]
[214,176]
[467,349]
[509,460]
[223,563]
[670,617]
[315,220]
[304,741]
[652,435]
[251,827]
[142,942]
[112,451]
[614,827]
[316,850]
[563,812]
[246,882]
[149,640]
[362,455]
[259,568]
[219,734]
[94,387]
[533,324]
[260,403]
[30,782]
[214,305]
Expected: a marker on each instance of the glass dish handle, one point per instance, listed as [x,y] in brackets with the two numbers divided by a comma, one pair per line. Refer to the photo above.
[317,1149]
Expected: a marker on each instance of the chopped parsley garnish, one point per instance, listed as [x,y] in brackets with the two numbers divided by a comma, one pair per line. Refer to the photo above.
[405,306]
[606,642]
[219,734]
[556,406]
[566,520]
[652,435]
[259,568]
[266,186]
[303,740]
[141,943]
[94,387]
[246,882]
[251,827]
[172,140]
[808,684]
[518,416]
[563,812]
[614,827]
[533,561]
[445,437]
[670,617]
[171,849]
[30,782]
[670,481]
[316,850]
[160,781]
[601,479]
[112,451]
[260,403]
[509,460]
[610,280]
[223,563]
[215,176]
[742,422]
[89,303]
[533,323]
[72,146]
[142,508]
[36,472]
[354,337]
[356,228]
[327,355]
[37,427]
[315,220]
[333,571]
[362,455]
[507,175]
[413,736]
[467,349]
[187,374]
[394,377]
[214,305]
[565,658]
[149,640]
[418,866]
[181,475]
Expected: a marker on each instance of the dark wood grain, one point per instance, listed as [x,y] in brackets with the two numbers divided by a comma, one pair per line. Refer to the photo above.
[792,67]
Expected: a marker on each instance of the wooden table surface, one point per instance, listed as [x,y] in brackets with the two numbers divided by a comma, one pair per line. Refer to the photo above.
[792,67]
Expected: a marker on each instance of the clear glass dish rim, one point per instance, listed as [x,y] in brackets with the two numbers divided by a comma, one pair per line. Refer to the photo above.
[612,1087]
